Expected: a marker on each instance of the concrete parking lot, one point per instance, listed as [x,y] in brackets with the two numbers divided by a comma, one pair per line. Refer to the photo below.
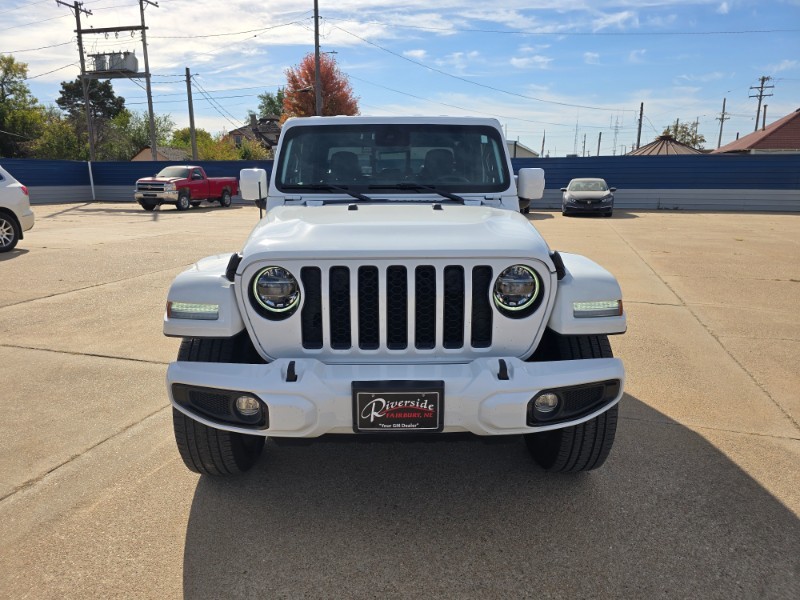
[700,497]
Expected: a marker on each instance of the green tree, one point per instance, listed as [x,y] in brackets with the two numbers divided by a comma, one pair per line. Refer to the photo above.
[685,133]
[251,150]
[57,138]
[270,104]
[104,103]
[20,112]
[337,96]
[182,138]
[129,132]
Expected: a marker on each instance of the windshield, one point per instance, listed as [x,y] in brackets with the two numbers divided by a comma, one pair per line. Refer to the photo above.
[463,158]
[181,172]
[588,185]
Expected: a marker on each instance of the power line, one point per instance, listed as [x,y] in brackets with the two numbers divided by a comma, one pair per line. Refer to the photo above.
[216,106]
[571,33]
[53,71]
[2,12]
[483,85]
[33,49]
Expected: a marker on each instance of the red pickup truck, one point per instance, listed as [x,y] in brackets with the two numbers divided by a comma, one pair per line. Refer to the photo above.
[184,186]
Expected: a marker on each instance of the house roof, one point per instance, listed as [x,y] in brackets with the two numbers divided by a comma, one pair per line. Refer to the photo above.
[664,145]
[783,134]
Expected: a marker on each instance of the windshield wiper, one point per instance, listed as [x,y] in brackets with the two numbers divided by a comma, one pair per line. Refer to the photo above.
[329,187]
[419,187]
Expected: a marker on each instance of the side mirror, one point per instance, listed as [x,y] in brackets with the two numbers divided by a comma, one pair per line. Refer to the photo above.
[253,184]
[612,189]
[563,189]
[530,184]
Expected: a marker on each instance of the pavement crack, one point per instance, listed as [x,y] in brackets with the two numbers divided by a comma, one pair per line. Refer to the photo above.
[32,482]
[96,285]
[716,338]
[91,354]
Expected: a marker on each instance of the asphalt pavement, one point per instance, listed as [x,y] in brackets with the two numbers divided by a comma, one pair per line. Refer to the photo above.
[700,497]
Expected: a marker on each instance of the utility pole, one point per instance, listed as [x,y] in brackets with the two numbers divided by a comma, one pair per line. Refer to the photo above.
[616,132]
[639,131]
[78,8]
[761,95]
[153,149]
[694,135]
[192,132]
[764,119]
[544,137]
[599,137]
[722,118]
[584,145]
[317,76]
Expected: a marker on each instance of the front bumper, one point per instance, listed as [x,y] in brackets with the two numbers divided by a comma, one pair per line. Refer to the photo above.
[320,400]
[160,197]
[595,206]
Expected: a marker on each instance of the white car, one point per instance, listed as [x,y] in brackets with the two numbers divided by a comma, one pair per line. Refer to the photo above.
[393,289]
[16,215]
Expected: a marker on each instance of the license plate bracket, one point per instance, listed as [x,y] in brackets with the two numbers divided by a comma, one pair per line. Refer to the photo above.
[398,406]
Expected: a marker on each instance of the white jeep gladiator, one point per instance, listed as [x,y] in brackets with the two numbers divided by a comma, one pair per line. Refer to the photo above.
[393,290]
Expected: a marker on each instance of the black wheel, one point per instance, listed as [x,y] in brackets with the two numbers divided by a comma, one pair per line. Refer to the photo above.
[582,447]
[225,200]
[195,204]
[9,233]
[183,202]
[206,450]
[608,214]
[528,210]
[148,207]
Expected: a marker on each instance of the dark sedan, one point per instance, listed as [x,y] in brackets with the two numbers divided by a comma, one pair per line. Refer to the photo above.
[588,195]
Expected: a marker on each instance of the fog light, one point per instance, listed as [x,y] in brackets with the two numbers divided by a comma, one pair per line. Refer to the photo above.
[546,403]
[247,406]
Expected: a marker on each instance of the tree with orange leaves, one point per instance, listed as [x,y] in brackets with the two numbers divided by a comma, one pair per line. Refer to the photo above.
[299,97]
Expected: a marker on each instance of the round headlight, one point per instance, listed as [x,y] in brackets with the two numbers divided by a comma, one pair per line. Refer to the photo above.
[516,288]
[275,289]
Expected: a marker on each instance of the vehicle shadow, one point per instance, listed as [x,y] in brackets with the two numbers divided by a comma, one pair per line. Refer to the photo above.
[537,216]
[667,515]
[11,254]
[618,214]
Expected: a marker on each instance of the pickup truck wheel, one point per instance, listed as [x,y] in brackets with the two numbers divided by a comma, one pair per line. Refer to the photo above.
[204,449]
[225,200]
[582,447]
[9,233]
[183,202]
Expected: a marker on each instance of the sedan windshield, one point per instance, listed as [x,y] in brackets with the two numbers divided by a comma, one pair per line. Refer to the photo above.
[588,185]
[392,157]
[181,172]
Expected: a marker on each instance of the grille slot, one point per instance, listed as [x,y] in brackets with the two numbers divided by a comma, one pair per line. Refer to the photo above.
[311,316]
[453,326]
[396,308]
[368,308]
[339,297]
[481,309]
[425,308]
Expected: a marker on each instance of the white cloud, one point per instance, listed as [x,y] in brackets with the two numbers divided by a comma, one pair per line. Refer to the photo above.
[703,77]
[416,54]
[591,58]
[636,56]
[531,62]
[723,8]
[459,60]
[784,65]
[620,20]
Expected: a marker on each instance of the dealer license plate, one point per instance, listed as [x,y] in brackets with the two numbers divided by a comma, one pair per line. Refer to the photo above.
[398,406]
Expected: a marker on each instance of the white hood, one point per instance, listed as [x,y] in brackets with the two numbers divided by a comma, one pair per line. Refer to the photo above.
[393,231]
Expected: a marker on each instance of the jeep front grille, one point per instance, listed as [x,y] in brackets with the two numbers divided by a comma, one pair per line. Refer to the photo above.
[387,300]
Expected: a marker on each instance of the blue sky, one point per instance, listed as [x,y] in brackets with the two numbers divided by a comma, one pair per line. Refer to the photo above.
[547,68]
